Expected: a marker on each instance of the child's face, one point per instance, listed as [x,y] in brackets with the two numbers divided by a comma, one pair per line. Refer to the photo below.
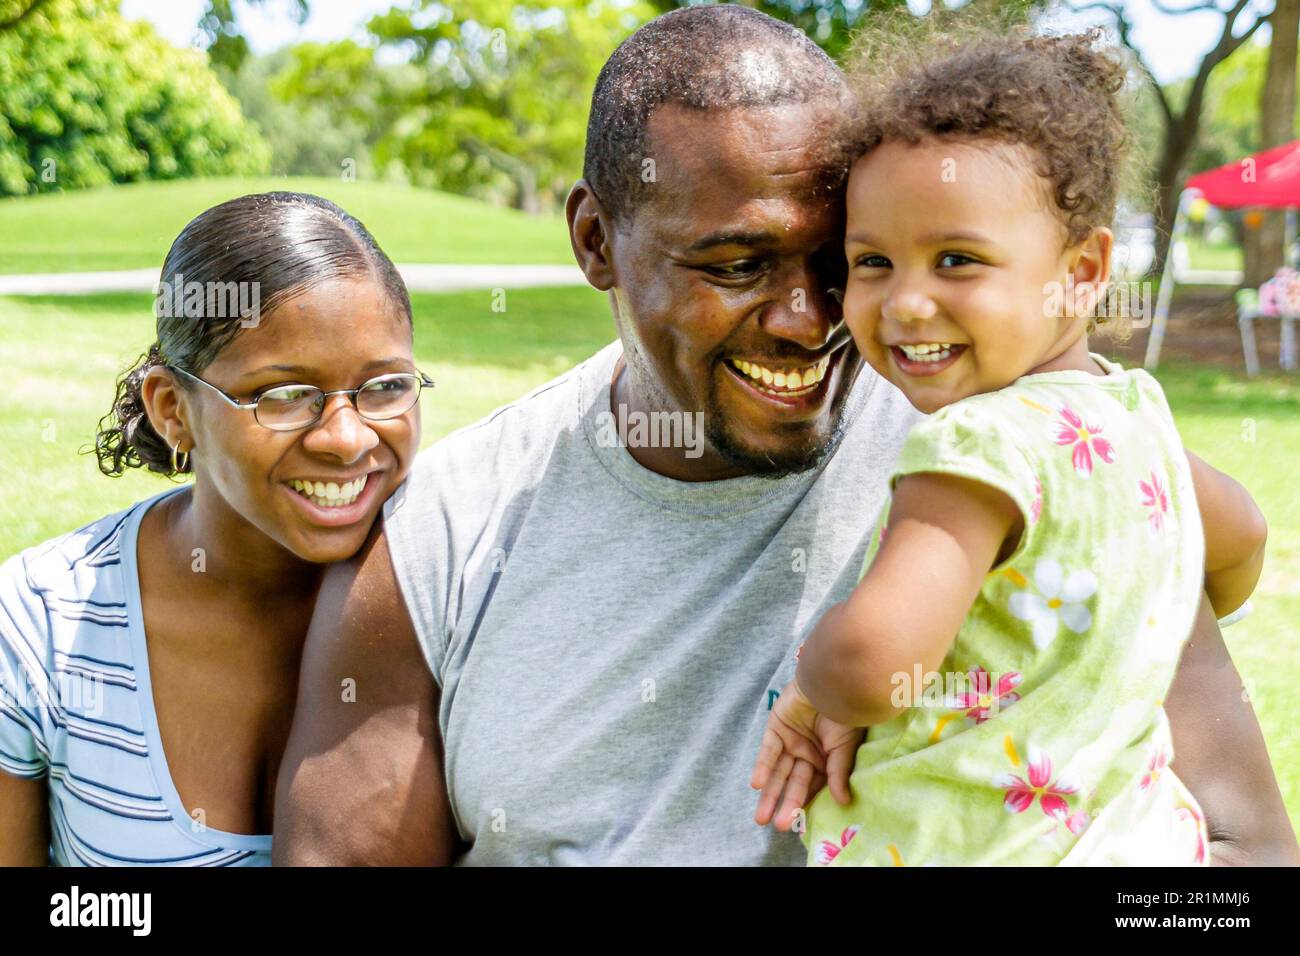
[955,244]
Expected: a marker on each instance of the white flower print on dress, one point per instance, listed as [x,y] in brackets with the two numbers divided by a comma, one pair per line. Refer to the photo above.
[1059,601]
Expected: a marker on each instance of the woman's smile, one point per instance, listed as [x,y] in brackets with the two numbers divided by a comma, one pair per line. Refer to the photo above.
[333,503]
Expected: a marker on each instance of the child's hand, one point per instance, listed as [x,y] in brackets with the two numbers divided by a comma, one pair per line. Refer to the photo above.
[802,750]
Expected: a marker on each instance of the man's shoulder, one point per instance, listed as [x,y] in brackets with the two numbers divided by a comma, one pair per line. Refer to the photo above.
[510,446]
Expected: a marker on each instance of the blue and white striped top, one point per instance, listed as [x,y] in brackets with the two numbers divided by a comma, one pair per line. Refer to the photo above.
[77,707]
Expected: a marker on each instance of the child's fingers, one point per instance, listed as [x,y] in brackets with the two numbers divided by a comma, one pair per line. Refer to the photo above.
[839,765]
[801,748]
[767,800]
[768,754]
[797,789]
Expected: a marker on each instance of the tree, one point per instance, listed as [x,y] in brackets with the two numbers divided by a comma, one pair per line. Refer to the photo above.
[495,101]
[13,12]
[227,47]
[322,136]
[1181,125]
[1265,246]
[831,23]
[88,98]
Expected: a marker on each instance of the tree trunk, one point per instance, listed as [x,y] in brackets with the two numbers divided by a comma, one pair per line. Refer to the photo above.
[1179,137]
[1265,247]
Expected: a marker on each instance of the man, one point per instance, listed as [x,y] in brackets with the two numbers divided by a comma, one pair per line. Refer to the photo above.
[565,638]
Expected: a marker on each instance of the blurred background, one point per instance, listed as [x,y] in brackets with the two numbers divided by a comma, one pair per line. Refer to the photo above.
[454,130]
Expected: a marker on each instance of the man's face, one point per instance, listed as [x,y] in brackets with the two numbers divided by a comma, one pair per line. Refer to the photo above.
[723,285]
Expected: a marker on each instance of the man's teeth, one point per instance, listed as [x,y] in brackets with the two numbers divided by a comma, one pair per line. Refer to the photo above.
[929,352]
[797,381]
[329,494]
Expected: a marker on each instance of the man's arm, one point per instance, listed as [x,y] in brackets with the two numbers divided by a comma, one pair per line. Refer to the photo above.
[1219,753]
[24,821]
[362,781]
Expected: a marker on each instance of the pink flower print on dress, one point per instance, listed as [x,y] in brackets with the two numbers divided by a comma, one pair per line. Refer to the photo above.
[1085,439]
[1155,498]
[827,850]
[983,700]
[1021,794]
[1159,760]
[1036,506]
[1189,813]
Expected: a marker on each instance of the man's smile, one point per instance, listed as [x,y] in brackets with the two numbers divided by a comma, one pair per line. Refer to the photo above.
[796,388]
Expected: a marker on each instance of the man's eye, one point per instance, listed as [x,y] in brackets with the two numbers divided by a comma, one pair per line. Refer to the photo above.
[741,269]
[951,260]
[871,262]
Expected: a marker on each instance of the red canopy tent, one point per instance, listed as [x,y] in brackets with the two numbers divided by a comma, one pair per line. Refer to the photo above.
[1269,178]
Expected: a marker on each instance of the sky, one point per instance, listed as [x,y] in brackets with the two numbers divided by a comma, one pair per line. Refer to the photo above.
[1173,45]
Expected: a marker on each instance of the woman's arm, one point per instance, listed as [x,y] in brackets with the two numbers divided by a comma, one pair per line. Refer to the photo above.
[1235,533]
[361,782]
[24,821]
[945,533]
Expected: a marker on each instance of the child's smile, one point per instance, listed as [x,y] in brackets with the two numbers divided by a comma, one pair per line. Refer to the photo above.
[954,251]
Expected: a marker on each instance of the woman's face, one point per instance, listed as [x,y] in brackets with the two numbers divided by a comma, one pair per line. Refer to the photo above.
[336,335]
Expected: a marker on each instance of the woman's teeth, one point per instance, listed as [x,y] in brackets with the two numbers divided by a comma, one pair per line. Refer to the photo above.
[794,382]
[929,352]
[328,494]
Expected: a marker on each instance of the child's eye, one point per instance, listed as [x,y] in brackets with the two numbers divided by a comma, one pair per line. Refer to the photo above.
[871,262]
[952,260]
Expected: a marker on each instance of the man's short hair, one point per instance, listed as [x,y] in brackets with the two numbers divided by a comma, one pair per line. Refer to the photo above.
[705,58]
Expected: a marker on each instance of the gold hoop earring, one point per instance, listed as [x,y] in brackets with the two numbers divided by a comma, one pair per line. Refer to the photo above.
[179,467]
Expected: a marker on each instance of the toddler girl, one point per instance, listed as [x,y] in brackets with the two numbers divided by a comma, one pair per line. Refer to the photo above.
[1031,584]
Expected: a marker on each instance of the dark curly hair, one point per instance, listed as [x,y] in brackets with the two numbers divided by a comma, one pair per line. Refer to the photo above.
[1060,96]
[284,243]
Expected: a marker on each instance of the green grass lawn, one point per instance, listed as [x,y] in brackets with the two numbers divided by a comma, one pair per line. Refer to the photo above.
[63,354]
[1221,257]
[132,226]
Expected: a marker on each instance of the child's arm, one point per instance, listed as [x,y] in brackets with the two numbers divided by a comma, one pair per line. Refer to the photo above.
[1235,533]
[944,534]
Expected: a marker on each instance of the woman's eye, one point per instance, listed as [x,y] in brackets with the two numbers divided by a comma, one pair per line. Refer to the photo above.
[288,393]
[871,262]
[952,260]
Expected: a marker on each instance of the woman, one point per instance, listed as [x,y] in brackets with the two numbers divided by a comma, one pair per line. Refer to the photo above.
[149,661]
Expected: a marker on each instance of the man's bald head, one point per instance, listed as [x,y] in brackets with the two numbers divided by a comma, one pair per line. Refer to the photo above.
[704,58]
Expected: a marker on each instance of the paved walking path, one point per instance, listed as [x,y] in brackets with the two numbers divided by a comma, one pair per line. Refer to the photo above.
[419,278]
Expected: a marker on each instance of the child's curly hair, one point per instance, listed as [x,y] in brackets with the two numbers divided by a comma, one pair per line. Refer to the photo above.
[1059,96]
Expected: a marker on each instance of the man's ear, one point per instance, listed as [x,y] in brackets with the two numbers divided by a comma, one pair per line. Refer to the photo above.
[165,404]
[1090,269]
[589,233]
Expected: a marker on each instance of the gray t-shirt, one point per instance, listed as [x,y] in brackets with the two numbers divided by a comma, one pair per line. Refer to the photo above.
[608,640]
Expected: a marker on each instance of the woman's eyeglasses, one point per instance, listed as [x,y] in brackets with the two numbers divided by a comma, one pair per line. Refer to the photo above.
[287,408]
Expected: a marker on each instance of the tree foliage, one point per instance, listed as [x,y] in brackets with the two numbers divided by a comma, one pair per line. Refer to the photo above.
[495,99]
[88,98]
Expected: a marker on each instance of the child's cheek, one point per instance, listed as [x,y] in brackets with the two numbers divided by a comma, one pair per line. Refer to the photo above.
[861,315]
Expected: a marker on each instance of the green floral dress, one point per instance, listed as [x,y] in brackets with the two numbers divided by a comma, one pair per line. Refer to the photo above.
[1044,741]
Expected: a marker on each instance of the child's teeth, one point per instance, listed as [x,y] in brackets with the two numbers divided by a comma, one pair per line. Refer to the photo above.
[927,352]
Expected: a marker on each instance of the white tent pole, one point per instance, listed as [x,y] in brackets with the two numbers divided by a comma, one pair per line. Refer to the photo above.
[1166,296]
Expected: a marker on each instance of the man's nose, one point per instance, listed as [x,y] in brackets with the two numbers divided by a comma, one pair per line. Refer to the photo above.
[807,310]
[341,433]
